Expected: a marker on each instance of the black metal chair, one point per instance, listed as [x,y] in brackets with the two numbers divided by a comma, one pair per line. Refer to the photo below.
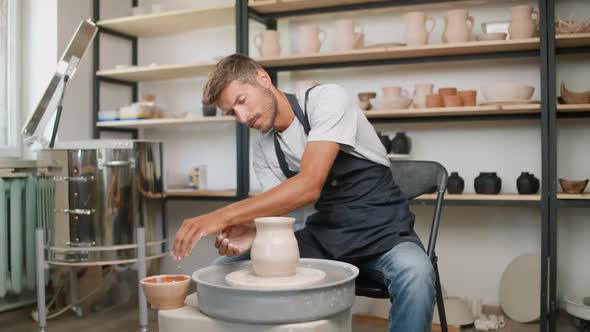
[414,179]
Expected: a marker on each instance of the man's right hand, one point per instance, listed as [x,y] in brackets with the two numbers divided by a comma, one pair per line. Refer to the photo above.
[235,240]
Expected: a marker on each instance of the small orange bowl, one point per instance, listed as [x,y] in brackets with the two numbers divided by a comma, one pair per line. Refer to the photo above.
[165,292]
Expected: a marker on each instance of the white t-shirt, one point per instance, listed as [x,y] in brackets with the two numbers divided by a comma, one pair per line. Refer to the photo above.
[334,115]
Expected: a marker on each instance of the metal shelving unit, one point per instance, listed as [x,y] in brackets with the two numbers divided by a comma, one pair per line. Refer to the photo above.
[150,25]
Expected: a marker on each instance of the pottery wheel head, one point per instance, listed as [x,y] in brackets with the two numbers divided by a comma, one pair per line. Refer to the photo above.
[304,276]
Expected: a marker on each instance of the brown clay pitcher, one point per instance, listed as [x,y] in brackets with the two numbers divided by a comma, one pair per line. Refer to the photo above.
[458,26]
[348,35]
[416,32]
[523,24]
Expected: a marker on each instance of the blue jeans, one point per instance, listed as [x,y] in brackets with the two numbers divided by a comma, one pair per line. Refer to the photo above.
[407,272]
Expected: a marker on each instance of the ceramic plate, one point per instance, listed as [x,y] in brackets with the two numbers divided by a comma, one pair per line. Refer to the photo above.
[509,102]
[520,289]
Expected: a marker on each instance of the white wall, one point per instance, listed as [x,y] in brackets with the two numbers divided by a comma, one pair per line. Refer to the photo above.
[476,243]
[39,28]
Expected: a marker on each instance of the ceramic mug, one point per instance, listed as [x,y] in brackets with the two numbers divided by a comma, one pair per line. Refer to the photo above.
[268,43]
[311,38]
[394,92]
[421,90]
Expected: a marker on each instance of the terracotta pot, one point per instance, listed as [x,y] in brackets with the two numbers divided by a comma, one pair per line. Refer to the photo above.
[469,97]
[452,101]
[310,39]
[348,35]
[447,91]
[421,90]
[434,100]
[165,292]
[416,31]
[274,252]
[268,43]
[458,26]
[365,96]
[523,25]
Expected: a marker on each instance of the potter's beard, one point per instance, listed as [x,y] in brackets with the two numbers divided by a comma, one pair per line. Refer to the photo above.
[270,108]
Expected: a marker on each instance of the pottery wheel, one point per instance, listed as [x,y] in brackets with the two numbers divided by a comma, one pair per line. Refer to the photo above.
[304,276]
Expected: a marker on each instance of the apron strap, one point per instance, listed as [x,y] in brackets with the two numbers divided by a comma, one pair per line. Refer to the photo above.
[303,119]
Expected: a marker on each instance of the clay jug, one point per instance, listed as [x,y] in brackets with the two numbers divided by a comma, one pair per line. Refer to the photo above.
[348,35]
[458,26]
[310,39]
[455,184]
[488,183]
[268,43]
[416,30]
[421,90]
[400,144]
[523,25]
[274,252]
[527,184]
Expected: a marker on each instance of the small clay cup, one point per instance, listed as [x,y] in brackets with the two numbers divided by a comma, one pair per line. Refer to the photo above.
[452,101]
[365,96]
[469,97]
[434,100]
[447,91]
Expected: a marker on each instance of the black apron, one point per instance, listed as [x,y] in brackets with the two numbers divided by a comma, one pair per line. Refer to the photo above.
[360,212]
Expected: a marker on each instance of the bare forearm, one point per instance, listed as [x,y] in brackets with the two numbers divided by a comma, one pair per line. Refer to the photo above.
[286,197]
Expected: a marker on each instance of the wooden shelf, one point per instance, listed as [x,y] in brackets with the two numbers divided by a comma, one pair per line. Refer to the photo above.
[200,193]
[564,196]
[454,111]
[574,108]
[153,123]
[277,6]
[151,25]
[160,72]
[572,40]
[480,197]
[402,52]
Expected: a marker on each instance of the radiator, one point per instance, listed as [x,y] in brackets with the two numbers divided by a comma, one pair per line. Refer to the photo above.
[25,203]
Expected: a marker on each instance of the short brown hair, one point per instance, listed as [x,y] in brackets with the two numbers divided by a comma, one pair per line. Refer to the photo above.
[233,67]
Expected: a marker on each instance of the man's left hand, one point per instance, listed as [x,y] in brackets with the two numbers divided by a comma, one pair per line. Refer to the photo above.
[192,230]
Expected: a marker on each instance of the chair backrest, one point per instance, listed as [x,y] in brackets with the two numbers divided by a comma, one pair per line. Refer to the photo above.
[417,177]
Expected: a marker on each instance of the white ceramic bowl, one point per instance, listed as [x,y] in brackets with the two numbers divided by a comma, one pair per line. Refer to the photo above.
[491,36]
[575,307]
[389,103]
[508,92]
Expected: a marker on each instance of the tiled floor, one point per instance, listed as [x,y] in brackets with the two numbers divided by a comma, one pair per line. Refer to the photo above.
[125,319]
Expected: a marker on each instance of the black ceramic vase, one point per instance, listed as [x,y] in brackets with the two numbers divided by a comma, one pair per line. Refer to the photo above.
[385,141]
[455,184]
[209,110]
[488,183]
[400,144]
[527,184]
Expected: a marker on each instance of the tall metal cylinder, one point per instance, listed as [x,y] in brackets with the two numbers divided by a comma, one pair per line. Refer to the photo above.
[104,190]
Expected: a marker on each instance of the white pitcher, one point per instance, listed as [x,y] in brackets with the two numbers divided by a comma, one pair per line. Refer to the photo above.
[311,38]
[348,35]
[274,252]
[416,31]
[458,26]
[421,90]
[523,25]
[268,43]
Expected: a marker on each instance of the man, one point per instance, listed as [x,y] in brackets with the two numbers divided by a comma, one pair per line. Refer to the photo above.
[319,148]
